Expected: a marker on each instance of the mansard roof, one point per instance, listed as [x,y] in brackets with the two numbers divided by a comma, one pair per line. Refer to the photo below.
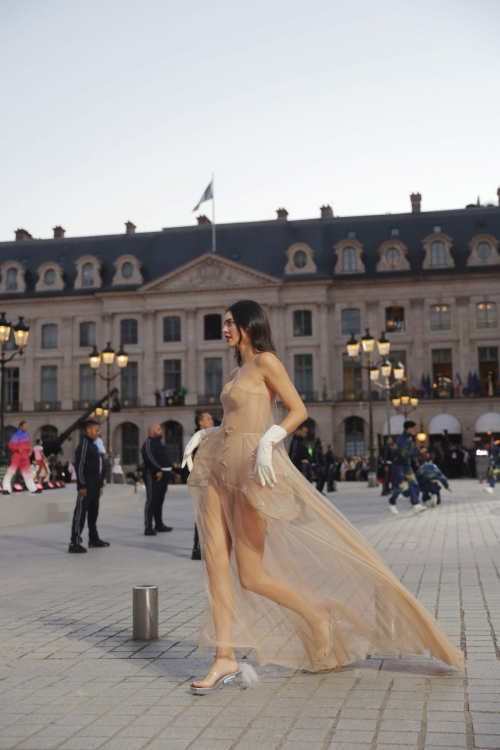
[259,245]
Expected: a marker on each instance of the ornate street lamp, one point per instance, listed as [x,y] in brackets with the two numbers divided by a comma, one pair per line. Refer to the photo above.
[108,357]
[21,333]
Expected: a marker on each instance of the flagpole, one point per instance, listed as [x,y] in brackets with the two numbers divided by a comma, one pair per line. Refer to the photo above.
[213,215]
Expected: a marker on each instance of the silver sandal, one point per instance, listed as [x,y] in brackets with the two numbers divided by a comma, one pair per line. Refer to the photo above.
[218,684]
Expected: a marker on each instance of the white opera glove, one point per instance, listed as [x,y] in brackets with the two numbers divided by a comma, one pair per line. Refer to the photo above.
[194,443]
[264,461]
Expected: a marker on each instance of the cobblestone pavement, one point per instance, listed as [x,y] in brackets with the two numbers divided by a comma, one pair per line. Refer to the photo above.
[71,677]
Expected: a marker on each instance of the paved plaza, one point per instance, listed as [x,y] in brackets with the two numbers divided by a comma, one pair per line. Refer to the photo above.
[72,677]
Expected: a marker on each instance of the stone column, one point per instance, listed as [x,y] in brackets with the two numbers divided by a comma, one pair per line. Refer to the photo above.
[467,355]
[324,385]
[278,328]
[416,351]
[189,377]
[68,375]
[147,383]
[28,388]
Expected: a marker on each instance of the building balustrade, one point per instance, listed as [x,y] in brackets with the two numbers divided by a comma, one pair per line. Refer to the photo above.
[47,406]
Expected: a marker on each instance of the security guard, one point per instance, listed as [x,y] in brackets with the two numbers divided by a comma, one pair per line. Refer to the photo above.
[429,476]
[157,466]
[494,467]
[403,471]
[88,466]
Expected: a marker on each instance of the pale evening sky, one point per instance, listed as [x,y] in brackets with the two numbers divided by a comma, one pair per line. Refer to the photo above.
[118,110]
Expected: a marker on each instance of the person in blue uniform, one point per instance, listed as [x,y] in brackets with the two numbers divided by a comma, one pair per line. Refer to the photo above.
[403,471]
[88,467]
[429,478]
[157,467]
[387,461]
[494,467]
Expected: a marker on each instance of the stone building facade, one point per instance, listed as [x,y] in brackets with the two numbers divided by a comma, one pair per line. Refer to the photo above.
[430,279]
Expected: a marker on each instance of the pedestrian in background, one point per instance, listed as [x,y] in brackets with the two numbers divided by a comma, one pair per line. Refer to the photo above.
[156,469]
[88,463]
[320,464]
[330,469]
[403,472]
[429,477]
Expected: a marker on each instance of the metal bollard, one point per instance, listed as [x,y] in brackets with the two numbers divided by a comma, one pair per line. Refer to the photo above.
[145,613]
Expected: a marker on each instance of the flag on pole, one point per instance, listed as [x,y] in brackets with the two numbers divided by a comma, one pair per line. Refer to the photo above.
[207,196]
[458,385]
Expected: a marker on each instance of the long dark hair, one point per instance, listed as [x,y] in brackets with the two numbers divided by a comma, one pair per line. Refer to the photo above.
[250,317]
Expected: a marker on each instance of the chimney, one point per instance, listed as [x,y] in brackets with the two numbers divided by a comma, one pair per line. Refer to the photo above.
[415,202]
[22,234]
[58,232]
[203,220]
[282,213]
[326,212]
[130,227]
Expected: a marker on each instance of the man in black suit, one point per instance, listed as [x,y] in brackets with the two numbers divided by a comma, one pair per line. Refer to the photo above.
[88,466]
[157,467]
[330,469]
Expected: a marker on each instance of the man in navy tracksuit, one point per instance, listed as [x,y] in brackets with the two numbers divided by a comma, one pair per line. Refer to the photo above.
[157,467]
[429,476]
[88,467]
[403,472]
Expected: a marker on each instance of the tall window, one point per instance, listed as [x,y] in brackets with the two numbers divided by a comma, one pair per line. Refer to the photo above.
[88,274]
[213,376]
[303,368]
[49,336]
[12,279]
[488,370]
[130,443]
[87,384]
[213,327]
[172,328]
[442,372]
[128,331]
[353,383]
[351,321]
[440,318]
[302,323]
[129,384]
[88,334]
[438,255]
[486,315]
[348,259]
[395,319]
[354,437]
[49,385]
[172,379]
[11,388]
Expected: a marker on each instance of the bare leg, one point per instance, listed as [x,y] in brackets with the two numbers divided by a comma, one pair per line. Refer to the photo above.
[217,557]
[249,542]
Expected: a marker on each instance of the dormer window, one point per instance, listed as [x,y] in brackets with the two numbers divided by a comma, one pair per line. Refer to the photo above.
[128,270]
[437,248]
[349,256]
[88,274]
[438,256]
[393,256]
[50,277]
[348,259]
[483,251]
[300,259]
[12,280]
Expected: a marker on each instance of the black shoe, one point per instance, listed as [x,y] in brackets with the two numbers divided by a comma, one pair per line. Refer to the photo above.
[6,492]
[38,491]
[149,531]
[196,554]
[98,543]
[162,527]
[76,548]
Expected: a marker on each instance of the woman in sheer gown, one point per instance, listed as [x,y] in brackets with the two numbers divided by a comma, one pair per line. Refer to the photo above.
[289,579]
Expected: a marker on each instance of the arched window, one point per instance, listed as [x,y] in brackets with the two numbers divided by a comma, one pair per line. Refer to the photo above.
[49,336]
[302,323]
[486,315]
[171,328]
[130,443]
[440,318]
[127,270]
[12,279]
[88,274]
[348,259]
[392,256]
[483,250]
[354,437]
[438,254]
[300,259]
[351,321]
[50,277]
[213,327]
[172,432]
[395,319]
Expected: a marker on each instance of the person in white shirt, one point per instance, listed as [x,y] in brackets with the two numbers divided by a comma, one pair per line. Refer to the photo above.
[42,472]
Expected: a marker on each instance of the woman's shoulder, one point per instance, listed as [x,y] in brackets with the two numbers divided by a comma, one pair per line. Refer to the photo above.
[268,361]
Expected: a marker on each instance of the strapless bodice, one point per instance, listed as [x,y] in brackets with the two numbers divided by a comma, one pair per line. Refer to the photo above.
[246,411]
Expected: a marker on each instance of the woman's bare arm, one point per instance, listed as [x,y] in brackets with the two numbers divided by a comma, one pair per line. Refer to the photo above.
[276,378]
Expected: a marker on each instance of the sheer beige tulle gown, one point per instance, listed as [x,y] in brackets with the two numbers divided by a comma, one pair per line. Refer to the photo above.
[309,544]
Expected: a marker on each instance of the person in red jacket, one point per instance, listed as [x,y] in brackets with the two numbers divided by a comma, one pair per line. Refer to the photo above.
[20,446]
